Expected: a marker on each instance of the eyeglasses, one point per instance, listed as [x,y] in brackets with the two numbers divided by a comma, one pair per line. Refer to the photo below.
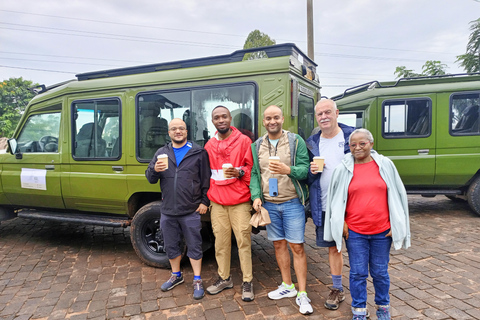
[173,129]
[360,144]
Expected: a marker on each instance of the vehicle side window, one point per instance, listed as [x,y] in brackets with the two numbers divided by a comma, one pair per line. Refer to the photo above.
[351,118]
[465,114]
[40,133]
[239,99]
[96,129]
[194,106]
[306,116]
[409,118]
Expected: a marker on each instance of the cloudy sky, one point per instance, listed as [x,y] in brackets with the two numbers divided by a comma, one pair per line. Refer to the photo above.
[356,41]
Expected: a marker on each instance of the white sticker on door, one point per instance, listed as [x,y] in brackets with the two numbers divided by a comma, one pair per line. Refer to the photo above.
[34,179]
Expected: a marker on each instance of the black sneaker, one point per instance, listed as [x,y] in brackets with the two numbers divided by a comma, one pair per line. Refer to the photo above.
[172,282]
[220,285]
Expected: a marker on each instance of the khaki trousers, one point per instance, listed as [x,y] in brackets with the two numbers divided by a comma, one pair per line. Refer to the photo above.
[224,220]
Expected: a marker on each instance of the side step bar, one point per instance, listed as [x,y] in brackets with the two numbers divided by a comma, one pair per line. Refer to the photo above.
[432,193]
[88,219]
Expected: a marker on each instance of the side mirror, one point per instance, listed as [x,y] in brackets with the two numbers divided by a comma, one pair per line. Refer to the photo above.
[12,145]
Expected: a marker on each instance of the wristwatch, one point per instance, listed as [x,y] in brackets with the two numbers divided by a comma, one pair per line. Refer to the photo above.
[241,173]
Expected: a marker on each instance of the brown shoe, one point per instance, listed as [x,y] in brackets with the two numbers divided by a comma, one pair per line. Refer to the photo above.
[334,298]
[220,285]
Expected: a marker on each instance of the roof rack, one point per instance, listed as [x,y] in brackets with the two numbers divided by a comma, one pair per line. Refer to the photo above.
[43,88]
[376,84]
[278,50]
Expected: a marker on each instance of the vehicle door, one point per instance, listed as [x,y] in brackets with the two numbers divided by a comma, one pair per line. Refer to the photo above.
[408,137]
[31,177]
[97,171]
[458,136]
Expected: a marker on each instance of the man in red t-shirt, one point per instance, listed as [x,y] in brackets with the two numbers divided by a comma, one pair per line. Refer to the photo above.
[229,196]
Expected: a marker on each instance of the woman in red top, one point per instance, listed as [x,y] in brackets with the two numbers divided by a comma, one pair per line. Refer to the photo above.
[367,229]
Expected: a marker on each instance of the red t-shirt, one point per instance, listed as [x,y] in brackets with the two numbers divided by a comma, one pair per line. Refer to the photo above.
[367,204]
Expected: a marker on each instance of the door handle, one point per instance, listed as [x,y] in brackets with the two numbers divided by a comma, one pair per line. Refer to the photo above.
[50,167]
[117,168]
[423,151]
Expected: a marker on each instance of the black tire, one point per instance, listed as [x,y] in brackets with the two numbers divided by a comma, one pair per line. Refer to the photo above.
[147,237]
[473,196]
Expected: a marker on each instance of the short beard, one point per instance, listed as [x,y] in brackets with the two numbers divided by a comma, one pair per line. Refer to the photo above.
[223,131]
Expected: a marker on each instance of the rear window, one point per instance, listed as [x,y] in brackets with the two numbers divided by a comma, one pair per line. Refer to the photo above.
[464,114]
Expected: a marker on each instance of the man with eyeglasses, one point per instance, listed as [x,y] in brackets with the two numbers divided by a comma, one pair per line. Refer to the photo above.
[184,182]
[331,142]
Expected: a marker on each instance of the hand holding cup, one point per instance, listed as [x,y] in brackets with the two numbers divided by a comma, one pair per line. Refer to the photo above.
[162,163]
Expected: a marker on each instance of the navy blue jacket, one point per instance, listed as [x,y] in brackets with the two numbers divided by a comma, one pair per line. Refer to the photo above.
[314,179]
[184,186]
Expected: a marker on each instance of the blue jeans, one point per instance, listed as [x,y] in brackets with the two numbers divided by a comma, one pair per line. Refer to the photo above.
[288,221]
[369,252]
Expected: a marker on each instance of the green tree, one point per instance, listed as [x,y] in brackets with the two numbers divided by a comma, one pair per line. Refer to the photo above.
[257,39]
[430,68]
[470,61]
[434,68]
[403,72]
[14,97]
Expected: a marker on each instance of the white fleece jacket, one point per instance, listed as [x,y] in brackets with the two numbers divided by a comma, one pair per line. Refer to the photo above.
[338,195]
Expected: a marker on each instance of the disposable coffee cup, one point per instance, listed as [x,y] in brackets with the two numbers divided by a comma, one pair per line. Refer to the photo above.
[225,166]
[320,162]
[163,158]
[274,159]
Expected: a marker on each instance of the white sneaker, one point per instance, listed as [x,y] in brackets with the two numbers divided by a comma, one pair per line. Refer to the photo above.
[304,303]
[282,292]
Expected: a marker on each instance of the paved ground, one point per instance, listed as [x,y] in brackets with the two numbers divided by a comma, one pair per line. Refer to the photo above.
[62,271]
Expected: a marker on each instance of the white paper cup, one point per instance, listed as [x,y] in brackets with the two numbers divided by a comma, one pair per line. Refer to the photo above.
[163,158]
[225,166]
[320,162]
[274,159]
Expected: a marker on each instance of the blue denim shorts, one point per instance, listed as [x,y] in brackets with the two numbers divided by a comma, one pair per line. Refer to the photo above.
[320,232]
[288,221]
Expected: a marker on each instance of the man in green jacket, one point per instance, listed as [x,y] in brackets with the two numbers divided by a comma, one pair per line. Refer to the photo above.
[279,188]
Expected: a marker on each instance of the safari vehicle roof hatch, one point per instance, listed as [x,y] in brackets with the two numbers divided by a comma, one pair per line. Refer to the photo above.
[279,50]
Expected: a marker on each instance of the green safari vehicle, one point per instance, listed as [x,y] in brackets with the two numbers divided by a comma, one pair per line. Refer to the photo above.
[428,126]
[81,148]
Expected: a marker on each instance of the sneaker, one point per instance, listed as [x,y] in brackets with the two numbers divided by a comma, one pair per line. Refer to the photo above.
[360,313]
[334,298]
[383,313]
[247,291]
[282,292]
[304,303]
[198,291]
[220,285]
[172,282]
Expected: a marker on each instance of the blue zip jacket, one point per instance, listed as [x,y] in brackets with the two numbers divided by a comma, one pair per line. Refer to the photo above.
[314,179]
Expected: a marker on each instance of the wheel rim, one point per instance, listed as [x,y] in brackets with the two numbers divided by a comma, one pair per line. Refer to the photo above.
[152,236]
